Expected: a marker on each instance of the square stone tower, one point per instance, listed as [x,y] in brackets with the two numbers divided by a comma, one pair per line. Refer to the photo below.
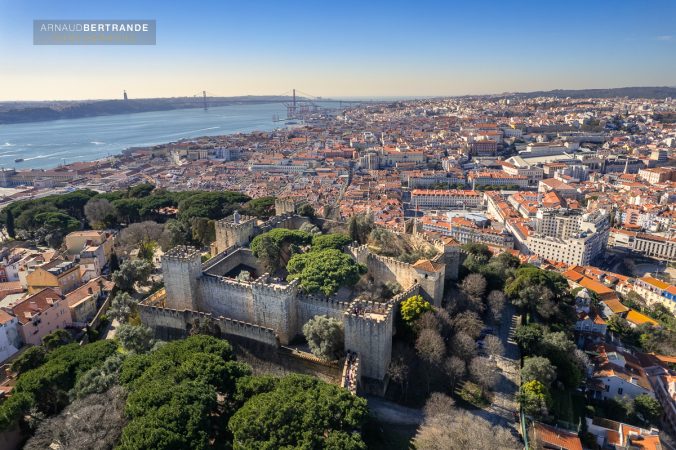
[181,268]
[235,230]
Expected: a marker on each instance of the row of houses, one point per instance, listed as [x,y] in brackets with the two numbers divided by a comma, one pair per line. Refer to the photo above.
[42,290]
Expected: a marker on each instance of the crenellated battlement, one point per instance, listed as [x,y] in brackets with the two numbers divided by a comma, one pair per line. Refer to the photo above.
[263,286]
[231,222]
[157,317]
[235,284]
[323,301]
[182,253]
[370,311]
[410,292]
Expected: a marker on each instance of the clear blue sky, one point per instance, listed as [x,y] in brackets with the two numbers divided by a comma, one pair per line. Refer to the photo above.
[346,48]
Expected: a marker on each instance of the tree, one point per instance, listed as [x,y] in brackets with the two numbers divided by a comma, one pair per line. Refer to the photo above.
[413,307]
[468,322]
[306,210]
[634,300]
[138,339]
[493,345]
[30,359]
[56,338]
[474,285]
[136,234]
[648,409]
[538,368]
[100,213]
[455,368]
[428,320]
[301,412]
[92,422]
[262,207]
[359,227]
[529,337]
[534,398]
[334,240]
[430,346]
[484,372]
[9,224]
[463,346]
[99,379]
[121,307]
[439,404]
[203,230]
[45,387]
[211,205]
[619,325]
[496,303]
[324,336]
[398,372]
[172,400]
[131,273]
[462,430]
[324,271]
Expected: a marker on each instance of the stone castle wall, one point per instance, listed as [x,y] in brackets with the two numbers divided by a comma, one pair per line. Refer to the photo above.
[384,269]
[368,332]
[235,257]
[309,306]
[171,324]
[226,297]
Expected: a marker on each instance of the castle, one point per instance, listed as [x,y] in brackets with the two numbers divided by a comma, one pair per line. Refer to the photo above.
[272,311]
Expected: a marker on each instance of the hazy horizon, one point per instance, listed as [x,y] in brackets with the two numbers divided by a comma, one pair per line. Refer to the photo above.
[342,97]
[351,49]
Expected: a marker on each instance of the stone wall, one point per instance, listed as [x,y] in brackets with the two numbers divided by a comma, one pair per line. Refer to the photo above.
[309,306]
[386,269]
[226,297]
[172,324]
[229,233]
[181,267]
[234,258]
[368,332]
[274,306]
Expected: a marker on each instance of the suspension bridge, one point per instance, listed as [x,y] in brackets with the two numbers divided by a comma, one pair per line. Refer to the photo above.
[299,105]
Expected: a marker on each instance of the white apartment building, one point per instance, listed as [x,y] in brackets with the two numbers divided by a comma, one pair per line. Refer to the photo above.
[445,198]
[9,335]
[569,237]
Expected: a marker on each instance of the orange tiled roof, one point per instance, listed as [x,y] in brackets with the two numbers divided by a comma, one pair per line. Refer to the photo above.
[546,434]
[638,318]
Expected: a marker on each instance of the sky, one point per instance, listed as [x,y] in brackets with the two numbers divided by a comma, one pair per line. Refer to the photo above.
[343,49]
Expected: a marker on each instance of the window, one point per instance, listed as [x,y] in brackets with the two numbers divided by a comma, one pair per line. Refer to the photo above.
[607,388]
[619,391]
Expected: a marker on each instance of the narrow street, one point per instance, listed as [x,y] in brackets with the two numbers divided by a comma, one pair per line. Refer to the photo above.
[504,408]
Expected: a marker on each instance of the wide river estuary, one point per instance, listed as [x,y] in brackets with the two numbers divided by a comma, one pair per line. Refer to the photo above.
[48,144]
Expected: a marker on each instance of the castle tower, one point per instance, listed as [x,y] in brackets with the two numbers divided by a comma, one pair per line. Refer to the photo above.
[368,332]
[284,206]
[275,306]
[235,230]
[181,267]
[430,276]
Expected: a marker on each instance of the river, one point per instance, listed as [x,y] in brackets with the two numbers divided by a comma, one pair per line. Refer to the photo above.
[48,144]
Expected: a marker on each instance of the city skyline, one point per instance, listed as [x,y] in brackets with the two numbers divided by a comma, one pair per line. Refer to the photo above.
[347,50]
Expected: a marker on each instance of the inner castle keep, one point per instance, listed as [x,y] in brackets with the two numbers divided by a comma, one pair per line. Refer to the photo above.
[272,311]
